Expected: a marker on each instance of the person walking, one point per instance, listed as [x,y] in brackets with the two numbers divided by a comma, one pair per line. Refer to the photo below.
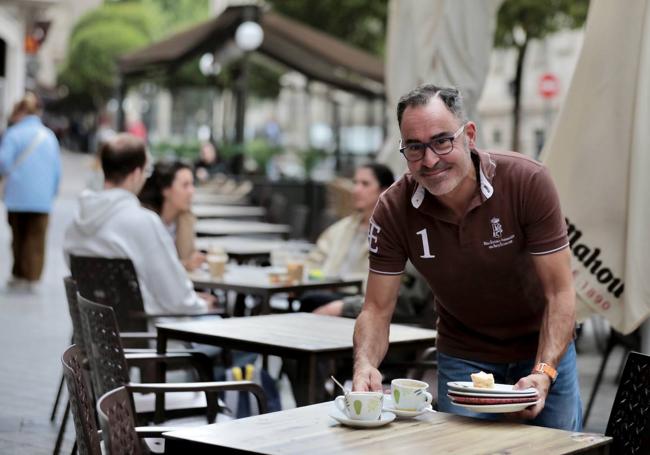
[31,168]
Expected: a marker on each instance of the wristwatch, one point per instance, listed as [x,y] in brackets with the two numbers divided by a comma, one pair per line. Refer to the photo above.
[545,368]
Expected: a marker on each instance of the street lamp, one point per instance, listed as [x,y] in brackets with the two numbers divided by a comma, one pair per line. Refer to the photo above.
[248,37]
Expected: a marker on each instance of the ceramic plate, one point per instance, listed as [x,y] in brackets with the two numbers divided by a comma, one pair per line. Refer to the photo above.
[467,386]
[390,407]
[518,394]
[495,408]
[488,400]
[386,418]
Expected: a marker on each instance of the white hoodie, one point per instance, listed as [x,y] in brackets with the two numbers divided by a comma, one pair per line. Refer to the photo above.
[113,224]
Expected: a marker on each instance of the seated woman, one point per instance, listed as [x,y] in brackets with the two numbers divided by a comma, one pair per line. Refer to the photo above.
[168,192]
[342,249]
[208,164]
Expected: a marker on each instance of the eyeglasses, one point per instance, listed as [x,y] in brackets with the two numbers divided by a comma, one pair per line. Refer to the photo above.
[440,146]
[147,170]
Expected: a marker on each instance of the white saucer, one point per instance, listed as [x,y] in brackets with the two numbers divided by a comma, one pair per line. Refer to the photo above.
[468,386]
[385,419]
[496,408]
[390,407]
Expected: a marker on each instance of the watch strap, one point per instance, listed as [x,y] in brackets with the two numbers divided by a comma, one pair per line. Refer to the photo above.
[548,370]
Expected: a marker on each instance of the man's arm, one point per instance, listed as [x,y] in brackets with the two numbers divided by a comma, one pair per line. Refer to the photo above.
[558,322]
[372,329]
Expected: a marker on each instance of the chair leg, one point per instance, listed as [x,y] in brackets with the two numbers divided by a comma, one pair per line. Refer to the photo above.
[599,377]
[59,437]
[56,400]
[74,448]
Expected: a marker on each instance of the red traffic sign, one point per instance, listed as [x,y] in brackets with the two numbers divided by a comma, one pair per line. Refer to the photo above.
[549,85]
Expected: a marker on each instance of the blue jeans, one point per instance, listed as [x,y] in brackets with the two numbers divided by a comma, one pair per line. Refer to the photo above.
[563,408]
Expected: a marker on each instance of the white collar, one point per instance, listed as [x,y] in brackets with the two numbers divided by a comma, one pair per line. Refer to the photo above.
[486,189]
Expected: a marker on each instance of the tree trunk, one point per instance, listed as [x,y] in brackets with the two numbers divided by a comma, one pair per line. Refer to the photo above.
[516,109]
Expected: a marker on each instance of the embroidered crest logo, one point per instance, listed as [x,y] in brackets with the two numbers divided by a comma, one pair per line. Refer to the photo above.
[497,229]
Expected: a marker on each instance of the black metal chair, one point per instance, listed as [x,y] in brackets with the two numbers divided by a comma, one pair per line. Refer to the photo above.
[629,421]
[299,215]
[117,420]
[108,363]
[81,401]
[114,282]
[631,342]
[277,208]
[78,340]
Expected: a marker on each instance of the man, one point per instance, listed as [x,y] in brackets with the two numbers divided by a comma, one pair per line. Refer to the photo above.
[486,232]
[112,223]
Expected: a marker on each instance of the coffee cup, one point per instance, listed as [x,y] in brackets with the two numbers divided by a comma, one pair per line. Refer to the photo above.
[217,265]
[361,405]
[295,270]
[409,394]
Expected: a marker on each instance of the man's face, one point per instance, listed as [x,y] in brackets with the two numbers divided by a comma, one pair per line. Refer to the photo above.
[440,175]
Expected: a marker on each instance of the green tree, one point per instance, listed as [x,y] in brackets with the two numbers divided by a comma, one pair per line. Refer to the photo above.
[174,14]
[358,22]
[361,23]
[519,22]
[100,36]
[113,29]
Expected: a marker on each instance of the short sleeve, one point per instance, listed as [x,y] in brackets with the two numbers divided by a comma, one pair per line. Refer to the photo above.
[385,241]
[544,225]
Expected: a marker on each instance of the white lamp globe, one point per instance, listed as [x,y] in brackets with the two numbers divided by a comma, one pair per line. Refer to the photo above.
[249,36]
[206,64]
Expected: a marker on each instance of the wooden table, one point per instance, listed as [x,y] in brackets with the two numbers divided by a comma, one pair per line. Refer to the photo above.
[231,227]
[309,430]
[228,211]
[253,280]
[244,249]
[306,337]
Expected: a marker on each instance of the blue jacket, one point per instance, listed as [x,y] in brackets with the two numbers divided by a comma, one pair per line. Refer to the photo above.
[32,186]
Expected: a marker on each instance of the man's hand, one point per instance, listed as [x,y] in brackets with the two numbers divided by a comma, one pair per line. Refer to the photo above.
[542,383]
[211,300]
[366,379]
[194,261]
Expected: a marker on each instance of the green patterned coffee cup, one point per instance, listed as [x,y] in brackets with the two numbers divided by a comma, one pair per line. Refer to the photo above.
[361,405]
[409,394]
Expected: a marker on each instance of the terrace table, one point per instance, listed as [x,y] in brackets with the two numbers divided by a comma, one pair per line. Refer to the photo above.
[308,338]
[227,211]
[205,197]
[244,249]
[309,430]
[217,227]
[252,280]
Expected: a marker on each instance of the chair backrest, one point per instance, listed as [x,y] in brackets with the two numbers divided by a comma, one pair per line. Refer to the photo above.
[73,308]
[116,418]
[298,221]
[111,282]
[629,421]
[277,209]
[81,401]
[108,367]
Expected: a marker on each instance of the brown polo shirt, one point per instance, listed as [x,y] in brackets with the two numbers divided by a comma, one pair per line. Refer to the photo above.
[489,297]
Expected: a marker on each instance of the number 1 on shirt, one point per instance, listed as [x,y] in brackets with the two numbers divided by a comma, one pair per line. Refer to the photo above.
[425,245]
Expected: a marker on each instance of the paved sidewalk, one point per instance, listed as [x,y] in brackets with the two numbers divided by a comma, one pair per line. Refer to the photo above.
[35,329]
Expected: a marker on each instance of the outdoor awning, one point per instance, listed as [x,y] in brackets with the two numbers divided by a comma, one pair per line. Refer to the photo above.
[313,53]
